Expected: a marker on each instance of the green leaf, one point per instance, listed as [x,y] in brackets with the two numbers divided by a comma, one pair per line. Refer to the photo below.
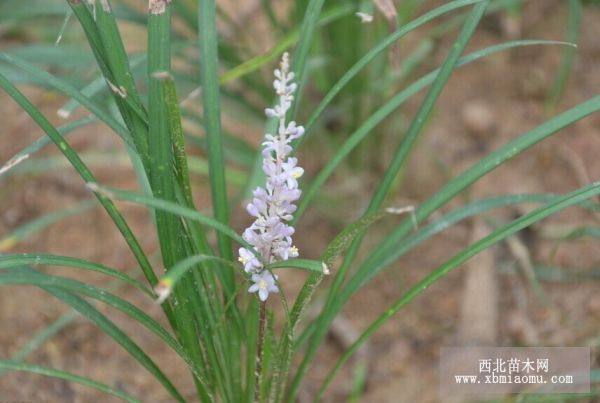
[85,173]
[335,248]
[66,88]
[20,275]
[30,150]
[568,58]
[391,172]
[19,234]
[307,30]
[377,49]
[390,245]
[386,110]
[168,282]
[285,43]
[209,79]
[41,336]
[55,373]
[304,264]
[34,259]
[170,207]
[523,222]
[56,286]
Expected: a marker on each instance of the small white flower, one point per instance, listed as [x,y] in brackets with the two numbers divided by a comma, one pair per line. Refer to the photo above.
[264,283]
[250,262]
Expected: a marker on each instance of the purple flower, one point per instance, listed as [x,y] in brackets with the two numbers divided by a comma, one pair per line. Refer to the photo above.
[273,205]
[249,261]
[264,283]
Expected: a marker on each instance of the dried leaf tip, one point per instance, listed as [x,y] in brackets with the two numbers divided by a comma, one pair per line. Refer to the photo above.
[105,5]
[162,75]
[400,210]
[163,290]
[92,187]
[158,6]
[326,270]
[95,188]
[120,90]
[11,163]
[63,113]
[364,17]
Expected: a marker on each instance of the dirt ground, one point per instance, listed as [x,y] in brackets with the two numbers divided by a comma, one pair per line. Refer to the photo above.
[484,105]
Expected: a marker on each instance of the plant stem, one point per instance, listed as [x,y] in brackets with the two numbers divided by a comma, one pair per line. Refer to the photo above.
[262,324]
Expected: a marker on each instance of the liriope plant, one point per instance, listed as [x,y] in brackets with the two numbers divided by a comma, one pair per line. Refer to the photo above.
[218,294]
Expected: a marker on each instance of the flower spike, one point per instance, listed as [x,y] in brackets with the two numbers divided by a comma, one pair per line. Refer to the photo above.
[273,205]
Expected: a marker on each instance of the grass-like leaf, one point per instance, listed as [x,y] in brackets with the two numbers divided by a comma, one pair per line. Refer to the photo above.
[22,232]
[386,110]
[523,222]
[170,207]
[55,373]
[85,173]
[28,277]
[392,170]
[67,89]
[377,49]
[209,79]
[20,276]
[34,259]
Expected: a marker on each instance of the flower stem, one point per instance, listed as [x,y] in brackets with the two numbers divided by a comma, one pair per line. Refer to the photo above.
[262,324]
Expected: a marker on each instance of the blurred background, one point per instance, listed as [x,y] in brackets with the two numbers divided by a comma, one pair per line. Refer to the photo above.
[540,288]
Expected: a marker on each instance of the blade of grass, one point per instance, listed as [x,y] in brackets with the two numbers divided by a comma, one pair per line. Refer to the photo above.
[304,264]
[391,172]
[334,249]
[209,79]
[34,259]
[387,251]
[55,373]
[117,60]
[377,49]
[98,86]
[104,39]
[42,142]
[365,129]
[41,337]
[40,223]
[276,51]
[566,64]
[86,174]
[177,272]
[20,276]
[97,318]
[211,104]
[170,207]
[66,88]
[47,332]
[523,222]
[388,247]
[172,235]
[426,232]
[307,31]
